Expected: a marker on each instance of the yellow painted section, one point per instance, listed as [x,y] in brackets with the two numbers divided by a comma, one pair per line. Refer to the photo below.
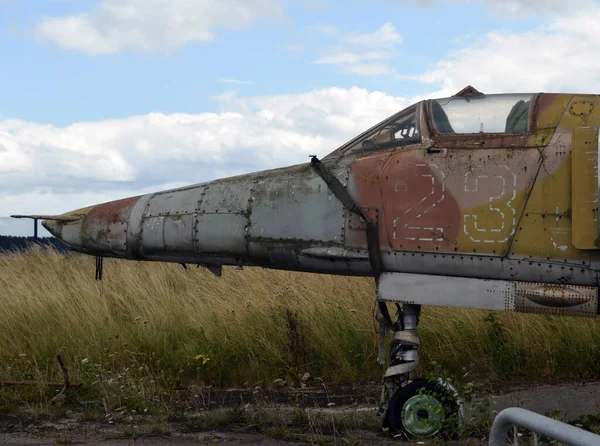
[581,108]
[78,212]
[585,188]
[560,220]
[552,191]
[545,230]
[489,228]
[578,113]
[547,120]
[551,115]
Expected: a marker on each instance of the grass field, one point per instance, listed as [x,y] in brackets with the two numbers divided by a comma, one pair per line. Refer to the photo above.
[150,328]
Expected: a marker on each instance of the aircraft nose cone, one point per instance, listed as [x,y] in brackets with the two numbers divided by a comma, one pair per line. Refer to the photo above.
[68,232]
[53,227]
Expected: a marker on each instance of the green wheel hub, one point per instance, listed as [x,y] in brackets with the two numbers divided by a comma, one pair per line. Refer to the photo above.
[422,415]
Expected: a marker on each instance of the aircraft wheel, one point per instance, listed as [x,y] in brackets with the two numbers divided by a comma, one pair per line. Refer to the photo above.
[422,409]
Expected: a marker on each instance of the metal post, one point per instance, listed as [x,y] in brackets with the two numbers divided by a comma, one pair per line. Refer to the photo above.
[548,427]
[35,228]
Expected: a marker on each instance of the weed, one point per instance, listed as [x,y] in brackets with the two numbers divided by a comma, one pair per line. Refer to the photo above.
[149,330]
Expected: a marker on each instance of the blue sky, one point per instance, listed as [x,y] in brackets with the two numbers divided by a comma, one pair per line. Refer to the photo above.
[102,99]
[43,83]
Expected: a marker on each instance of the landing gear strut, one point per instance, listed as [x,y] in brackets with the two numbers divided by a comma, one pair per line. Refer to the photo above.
[411,406]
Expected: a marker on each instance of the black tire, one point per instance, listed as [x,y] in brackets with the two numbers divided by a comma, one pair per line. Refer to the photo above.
[434,410]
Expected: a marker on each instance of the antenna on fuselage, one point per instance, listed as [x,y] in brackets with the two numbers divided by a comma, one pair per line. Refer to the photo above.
[468,91]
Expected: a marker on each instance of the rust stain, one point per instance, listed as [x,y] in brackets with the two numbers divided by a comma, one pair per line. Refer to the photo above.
[95,229]
[428,189]
[111,211]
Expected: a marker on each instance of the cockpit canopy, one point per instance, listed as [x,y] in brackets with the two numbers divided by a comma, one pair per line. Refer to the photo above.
[499,114]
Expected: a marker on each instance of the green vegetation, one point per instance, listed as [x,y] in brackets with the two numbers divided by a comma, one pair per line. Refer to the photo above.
[148,330]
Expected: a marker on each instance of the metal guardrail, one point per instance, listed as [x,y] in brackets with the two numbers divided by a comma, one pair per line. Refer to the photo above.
[540,425]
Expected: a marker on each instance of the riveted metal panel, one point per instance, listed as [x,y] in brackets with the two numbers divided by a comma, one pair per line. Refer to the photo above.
[585,188]
[95,224]
[152,235]
[174,202]
[447,291]
[221,233]
[557,299]
[529,269]
[135,226]
[296,205]
[117,235]
[227,196]
[179,233]
[527,297]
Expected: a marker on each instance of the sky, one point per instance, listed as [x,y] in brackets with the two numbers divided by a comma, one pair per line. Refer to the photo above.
[105,99]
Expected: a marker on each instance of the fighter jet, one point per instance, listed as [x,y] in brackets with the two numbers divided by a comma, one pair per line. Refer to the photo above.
[485,201]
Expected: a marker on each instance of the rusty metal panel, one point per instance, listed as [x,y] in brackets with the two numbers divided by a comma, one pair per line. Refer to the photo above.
[297,205]
[179,233]
[556,299]
[95,225]
[221,233]
[585,188]
[227,196]
[117,235]
[355,221]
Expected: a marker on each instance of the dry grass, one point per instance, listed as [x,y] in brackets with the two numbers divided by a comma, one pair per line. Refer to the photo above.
[150,327]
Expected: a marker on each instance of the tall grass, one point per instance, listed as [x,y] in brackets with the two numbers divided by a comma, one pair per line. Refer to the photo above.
[150,326]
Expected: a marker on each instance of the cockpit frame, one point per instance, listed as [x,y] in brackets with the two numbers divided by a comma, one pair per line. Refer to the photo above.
[489,140]
[430,136]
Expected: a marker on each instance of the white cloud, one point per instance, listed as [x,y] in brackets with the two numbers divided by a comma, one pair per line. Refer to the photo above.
[234,81]
[370,69]
[352,58]
[560,57]
[46,201]
[352,50]
[516,8]
[152,25]
[384,37]
[54,169]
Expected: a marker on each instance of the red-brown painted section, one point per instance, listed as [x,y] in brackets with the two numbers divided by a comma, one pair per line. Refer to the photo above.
[112,211]
[421,214]
[365,175]
[96,223]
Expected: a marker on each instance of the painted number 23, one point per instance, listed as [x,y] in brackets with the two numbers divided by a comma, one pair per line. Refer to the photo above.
[492,217]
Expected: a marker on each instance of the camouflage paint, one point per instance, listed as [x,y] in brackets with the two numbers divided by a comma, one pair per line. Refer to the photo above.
[497,206]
